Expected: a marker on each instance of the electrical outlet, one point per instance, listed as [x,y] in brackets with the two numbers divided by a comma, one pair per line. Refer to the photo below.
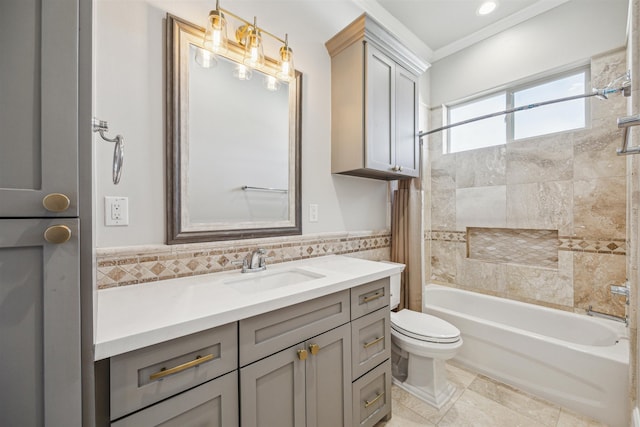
[313,212]
[116,211]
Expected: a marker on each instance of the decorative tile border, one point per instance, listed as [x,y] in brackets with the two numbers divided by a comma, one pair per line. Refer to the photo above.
[142,264]
[593,245]
[564,243]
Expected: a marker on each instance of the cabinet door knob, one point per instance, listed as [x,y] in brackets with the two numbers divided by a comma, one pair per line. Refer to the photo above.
[314,349]
[57,234]
[56,202]
[302,354]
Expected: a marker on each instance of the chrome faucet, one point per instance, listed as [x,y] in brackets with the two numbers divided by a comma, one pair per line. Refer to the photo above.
[254,261]
[621,290]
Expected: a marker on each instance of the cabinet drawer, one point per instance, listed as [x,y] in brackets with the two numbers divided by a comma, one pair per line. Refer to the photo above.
[372,396]
[271,332]
[370,297]
[213,404]
[142,377]
[371,341]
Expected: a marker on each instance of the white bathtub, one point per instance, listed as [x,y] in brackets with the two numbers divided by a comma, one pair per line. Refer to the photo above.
[575,361]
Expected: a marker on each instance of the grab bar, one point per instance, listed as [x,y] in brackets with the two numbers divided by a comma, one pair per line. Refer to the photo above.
[591,312]
[627,123]
[275,190]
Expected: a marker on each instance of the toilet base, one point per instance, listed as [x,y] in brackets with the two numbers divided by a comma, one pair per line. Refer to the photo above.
[437,401]
[425,378]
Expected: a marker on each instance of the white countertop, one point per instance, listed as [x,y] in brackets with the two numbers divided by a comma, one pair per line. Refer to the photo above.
[136,316]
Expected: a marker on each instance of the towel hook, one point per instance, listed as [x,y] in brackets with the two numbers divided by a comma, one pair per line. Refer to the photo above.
[101,126]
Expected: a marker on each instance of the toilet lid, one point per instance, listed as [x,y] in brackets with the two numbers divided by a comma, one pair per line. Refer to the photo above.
[424,327]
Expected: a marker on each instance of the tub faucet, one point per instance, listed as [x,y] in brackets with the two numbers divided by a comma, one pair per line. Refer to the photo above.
[621,290]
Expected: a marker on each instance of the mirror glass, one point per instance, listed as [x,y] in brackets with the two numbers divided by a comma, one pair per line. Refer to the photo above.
[233,145]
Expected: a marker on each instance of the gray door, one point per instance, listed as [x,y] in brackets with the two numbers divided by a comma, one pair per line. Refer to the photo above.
[272,390]
[39,323]
[38,106]
[329,379]
[380,110]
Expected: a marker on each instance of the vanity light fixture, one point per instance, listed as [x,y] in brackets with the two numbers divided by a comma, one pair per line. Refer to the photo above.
[249,37]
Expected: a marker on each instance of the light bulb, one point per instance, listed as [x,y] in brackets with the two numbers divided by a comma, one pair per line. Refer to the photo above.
[286,72]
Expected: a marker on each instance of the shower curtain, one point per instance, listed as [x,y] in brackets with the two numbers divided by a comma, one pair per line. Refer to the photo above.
[407,240]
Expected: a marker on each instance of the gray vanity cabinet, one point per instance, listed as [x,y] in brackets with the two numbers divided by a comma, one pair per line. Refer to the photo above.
[374,103]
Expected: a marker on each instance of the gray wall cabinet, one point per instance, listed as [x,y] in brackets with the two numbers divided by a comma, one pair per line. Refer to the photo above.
[40,356]
[374,103]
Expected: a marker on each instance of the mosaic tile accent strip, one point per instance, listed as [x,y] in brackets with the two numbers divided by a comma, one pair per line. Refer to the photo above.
[143,264]
[564,243]
[592,245]
[537,248]
[446,236]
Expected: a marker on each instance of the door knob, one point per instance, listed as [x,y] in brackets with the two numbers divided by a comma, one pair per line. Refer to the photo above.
[314,349]
[302,354]
[57,234]
[56,202]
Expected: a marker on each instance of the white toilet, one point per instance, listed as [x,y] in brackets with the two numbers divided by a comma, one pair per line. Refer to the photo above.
[420,345]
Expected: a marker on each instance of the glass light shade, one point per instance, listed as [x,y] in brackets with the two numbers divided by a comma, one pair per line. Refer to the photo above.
[253,50]
[287,72]
[271,83]
[215,37]
[242,72]
[206,58]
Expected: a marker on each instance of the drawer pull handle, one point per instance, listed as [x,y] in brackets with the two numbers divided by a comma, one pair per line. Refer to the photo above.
[165,372]
[373,297]
[302,354]
[314,349]
[374,342]
[368,403]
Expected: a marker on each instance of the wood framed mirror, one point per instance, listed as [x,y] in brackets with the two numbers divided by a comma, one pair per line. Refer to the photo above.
[232,145]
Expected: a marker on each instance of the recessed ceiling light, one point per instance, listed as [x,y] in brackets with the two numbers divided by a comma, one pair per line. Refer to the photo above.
[487,7]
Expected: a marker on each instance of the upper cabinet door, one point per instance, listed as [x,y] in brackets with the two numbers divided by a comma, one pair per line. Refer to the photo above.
[39,108]
[379,111]
[407,146]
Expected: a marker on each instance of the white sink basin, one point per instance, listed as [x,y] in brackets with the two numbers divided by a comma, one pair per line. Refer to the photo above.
[267,280]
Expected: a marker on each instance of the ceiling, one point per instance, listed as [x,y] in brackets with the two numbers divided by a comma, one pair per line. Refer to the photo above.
[447,26]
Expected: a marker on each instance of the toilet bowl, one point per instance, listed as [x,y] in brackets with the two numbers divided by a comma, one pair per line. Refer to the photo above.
[421,343]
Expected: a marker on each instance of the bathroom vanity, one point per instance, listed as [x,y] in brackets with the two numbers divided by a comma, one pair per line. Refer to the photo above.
[304,343]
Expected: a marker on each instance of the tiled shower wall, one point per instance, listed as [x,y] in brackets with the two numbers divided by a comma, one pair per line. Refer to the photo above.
[570,183]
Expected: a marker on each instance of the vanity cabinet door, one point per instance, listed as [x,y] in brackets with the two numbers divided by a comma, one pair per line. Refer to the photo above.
[328,379]
[272,390]
[407,145]
[213,404]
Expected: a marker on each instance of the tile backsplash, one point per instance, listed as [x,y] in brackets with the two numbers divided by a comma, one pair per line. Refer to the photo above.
[143,264]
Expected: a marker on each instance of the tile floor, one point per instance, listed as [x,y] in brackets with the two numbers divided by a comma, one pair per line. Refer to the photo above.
[481,402]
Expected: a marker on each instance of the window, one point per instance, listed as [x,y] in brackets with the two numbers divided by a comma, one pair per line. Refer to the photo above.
[498,130]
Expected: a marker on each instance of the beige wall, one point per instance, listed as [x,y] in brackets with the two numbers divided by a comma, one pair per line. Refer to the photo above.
[571,183]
